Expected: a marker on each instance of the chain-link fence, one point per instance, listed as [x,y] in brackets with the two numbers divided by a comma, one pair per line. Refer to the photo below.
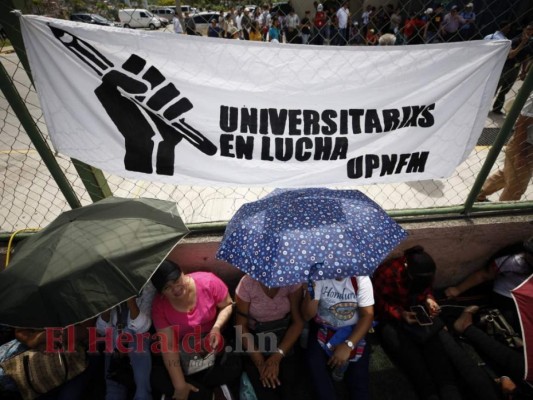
[37,184]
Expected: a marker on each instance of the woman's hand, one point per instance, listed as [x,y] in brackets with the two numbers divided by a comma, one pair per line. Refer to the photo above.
[409,317]
[215,339]
[433,307]
[340,355]
[270,372]
[182,392]
[452,292]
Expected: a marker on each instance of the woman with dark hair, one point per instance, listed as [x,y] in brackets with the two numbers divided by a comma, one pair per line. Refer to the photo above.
[272,371]
[507,269]
[193,306]
[402,285]
[255,32]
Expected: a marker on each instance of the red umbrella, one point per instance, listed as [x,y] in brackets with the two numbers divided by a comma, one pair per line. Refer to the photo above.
[523,297]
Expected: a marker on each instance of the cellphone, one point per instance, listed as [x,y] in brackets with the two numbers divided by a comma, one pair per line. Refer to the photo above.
[421,315]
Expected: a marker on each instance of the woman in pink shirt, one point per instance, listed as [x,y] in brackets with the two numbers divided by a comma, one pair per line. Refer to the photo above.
[270,365]
[189,306]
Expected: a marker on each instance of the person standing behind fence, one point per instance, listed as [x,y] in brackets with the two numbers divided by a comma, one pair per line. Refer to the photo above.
[292,23]
[343,18]
[190,25]
[228,26]
[342,312]
[177,24]
[274,33]
[518,164]
[468,30]
[255,32]
[272,372]
[452,22]
[432,26]
[366,18]
[306,27]
[246,23]
[265,20]
[516,64]
[319,31]
[213,30]
[396,20]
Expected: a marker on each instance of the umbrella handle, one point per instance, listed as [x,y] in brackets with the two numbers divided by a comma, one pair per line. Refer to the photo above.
[311,288]
[310,282]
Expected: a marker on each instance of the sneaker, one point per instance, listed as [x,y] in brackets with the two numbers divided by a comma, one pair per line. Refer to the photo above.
[497,112]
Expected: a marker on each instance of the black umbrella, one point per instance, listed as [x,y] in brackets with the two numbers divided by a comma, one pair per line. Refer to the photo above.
[87,261]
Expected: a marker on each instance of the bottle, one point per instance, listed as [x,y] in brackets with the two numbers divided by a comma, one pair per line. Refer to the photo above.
[337,374]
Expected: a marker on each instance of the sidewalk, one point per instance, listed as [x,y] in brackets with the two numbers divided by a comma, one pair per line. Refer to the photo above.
[6,49]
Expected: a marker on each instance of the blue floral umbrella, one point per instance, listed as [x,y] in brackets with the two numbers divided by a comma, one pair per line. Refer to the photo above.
[294,236]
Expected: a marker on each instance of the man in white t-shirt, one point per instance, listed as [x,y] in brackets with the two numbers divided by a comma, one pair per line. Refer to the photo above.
[343,16]
[177,24]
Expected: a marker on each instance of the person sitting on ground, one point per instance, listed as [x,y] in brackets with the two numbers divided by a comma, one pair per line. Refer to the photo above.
[193,306]
[508,268]
[132,318]
[508,362]
[36,339]
[342,312]
[400,284]
[272,372]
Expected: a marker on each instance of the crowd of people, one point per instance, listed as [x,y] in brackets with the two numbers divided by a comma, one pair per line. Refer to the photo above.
[340,26]
[189,338]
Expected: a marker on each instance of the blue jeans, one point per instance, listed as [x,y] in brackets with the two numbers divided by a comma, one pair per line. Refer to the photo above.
[357,376]
[141,362]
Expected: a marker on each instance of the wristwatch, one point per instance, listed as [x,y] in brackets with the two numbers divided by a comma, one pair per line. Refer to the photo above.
[350,344]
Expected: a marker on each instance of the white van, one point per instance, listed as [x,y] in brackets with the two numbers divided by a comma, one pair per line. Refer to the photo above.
[138,18]
[163,12]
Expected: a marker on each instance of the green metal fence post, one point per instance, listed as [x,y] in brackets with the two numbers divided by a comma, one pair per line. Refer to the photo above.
[496,147]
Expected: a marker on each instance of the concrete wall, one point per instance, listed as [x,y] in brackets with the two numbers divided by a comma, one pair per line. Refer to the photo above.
[458,247]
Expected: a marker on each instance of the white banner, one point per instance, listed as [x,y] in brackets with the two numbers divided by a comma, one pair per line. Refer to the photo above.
[202,111]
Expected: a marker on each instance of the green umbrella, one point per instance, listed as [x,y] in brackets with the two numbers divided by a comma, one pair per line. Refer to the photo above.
[87,261]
